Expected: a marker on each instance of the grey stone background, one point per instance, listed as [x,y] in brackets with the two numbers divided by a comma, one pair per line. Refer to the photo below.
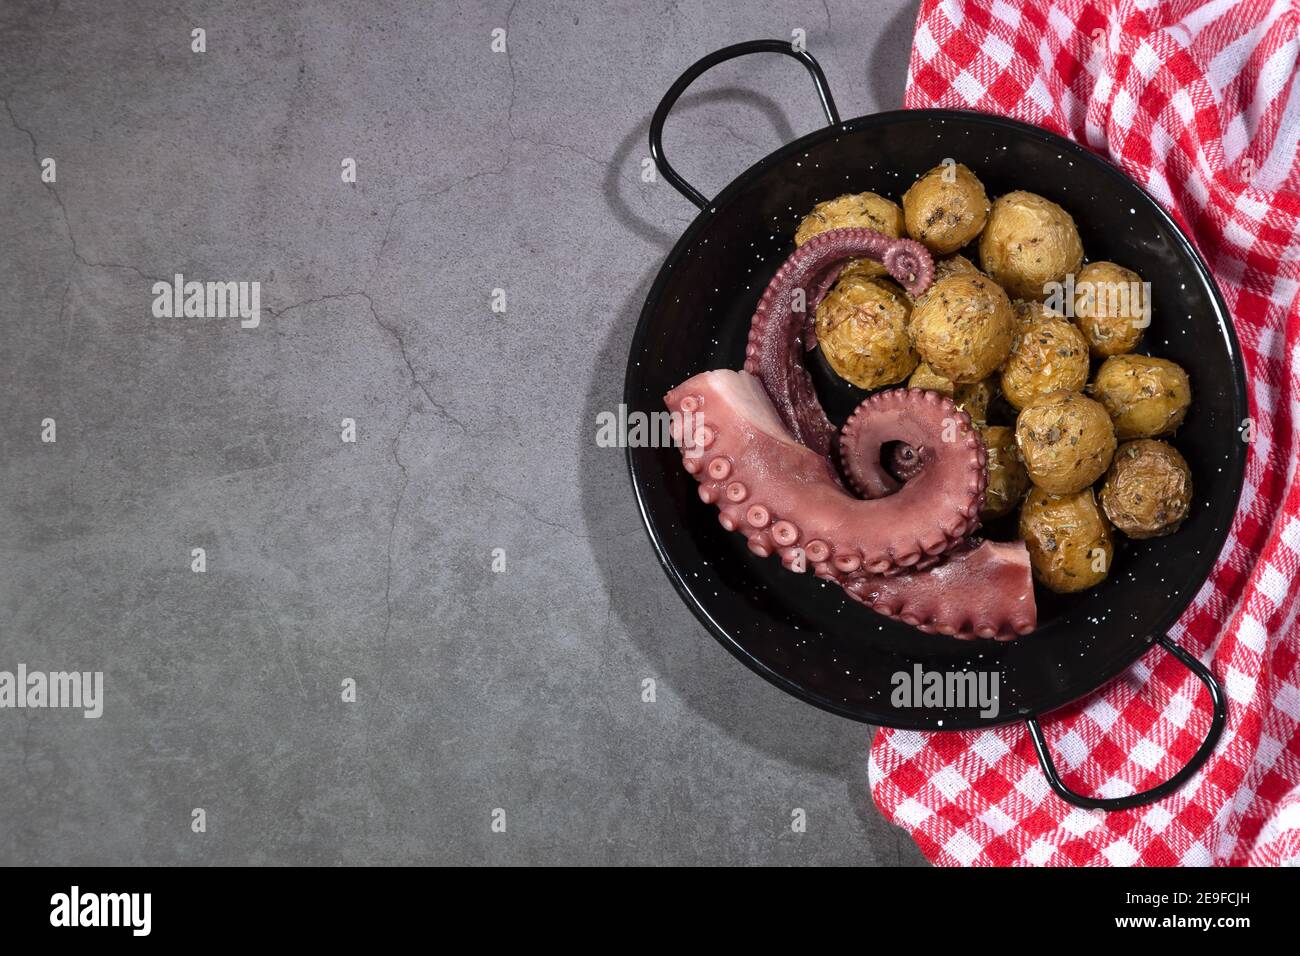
[476,170]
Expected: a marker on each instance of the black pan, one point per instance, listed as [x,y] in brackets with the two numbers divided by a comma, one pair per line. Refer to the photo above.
[807,637]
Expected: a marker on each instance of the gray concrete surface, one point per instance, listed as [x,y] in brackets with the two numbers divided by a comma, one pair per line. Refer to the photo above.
[476,171]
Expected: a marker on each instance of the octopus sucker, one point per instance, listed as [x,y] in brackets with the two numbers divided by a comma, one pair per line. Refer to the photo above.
[785,533]
[919,465]
[847,563]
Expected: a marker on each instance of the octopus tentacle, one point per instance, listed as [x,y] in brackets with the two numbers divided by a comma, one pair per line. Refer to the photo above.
[780,325]
[906,554]
[940,450]
[966,595]
[783,495]
[905,461]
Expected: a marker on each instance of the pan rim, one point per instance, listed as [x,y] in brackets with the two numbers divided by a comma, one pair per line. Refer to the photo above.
[1113,667]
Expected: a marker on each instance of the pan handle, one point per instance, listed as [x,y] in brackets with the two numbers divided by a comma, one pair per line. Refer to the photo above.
[1170,785]
[707,63]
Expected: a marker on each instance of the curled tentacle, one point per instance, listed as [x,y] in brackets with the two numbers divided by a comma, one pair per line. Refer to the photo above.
[786,498]
[782,320]
[905,461]
[935,447]
[905,553]
[909,262]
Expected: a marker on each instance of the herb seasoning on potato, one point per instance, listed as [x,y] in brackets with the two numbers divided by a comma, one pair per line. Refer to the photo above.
[861,327]
[946,208]
[963,327]
[1111,308]
[1028,243]
[1066,440]
[1069,539]
[1029,311]
[1049,355]
[1145,396]
[1008,480]
[1148,489]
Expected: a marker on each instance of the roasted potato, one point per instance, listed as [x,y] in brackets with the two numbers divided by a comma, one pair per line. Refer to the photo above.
[1008,480]
[1148,489]
[1066,440]
[1111,308]
[864,269]
[865,210]
[963,327]
[1048,355]
[1069,540]
[951,265]
[946,208]
[973,398]
[854,210]
[1029,311]
[861,327]
[1029,242]
[1144,396]
[954,265]
[928,378]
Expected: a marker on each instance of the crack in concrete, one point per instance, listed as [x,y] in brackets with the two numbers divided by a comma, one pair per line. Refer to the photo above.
[63,210]
[735,135]
[510,62]
[388,574]
[523,506]
[428,197]
[510,108]
[67,335]
[545,144]
[439,407]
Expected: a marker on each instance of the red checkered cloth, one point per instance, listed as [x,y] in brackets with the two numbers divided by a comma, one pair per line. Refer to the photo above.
[1199,102]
